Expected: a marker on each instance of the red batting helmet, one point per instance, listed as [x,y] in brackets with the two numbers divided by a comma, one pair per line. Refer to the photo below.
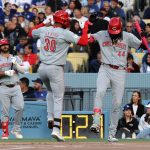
[4,42]
[115,25]
[62,17]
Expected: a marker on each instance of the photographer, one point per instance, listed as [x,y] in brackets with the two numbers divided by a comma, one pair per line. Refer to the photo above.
[144,125]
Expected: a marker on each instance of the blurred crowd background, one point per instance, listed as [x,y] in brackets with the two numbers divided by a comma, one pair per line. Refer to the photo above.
[17,17]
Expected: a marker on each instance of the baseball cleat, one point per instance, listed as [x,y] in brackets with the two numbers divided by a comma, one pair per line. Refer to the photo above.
[95,128]
[50,124]
[5,136]
[17,134]
[112,139]
[58,137]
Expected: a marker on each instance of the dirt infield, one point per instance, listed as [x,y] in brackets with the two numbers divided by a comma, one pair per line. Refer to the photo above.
[74,145]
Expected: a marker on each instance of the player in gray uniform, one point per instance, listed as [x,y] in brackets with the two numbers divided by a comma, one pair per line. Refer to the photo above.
[55,43]
[10,90]
[114,45]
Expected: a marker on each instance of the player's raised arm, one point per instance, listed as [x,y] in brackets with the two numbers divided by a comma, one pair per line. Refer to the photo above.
[144,44]
[46,21]
[83,41]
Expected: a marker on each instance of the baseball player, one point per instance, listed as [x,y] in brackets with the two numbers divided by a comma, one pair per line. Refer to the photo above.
[10,90]
[114,45]
[55,43]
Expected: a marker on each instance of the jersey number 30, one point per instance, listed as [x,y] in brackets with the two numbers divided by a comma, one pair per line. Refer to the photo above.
[50,45]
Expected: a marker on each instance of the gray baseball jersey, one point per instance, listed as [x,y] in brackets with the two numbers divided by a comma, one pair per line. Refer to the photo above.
[5,64]
[11,95]
[55,44]
[116,54]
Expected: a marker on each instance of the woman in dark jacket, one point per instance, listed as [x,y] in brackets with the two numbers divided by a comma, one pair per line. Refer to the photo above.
[138,109]
[127,125]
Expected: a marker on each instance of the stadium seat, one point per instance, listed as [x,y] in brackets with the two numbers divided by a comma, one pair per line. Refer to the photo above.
[77,63]
[133,50]
[82,57]
[146,21]
[139,56]
[85,56]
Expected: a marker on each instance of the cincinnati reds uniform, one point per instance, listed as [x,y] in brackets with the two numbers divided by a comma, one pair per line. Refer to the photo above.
[112,71]
[11,95]
[55,43]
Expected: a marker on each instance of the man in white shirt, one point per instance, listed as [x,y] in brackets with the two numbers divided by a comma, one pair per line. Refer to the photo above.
[79,17]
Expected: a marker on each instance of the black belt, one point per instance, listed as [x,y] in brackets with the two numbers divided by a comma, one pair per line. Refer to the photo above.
[9,85]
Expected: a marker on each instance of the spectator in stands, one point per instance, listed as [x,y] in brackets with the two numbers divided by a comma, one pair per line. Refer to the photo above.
[39,92]
[147,13]
[120,4]
[35,11]
[49,14]
[116,10]
[129,27]
[25,63]
[144,124]
[99,3]
[24,40]
[127,125]
[64,6]
[22,21]
[42,16]
[13,32]
[71,8]
[85,12]
[75,28]
[106,6]
[92,6]
[145,67]
[147,29]
[79,17]
[36,21]
[31,57]
[27,13]
[137,108]
[28,92]
[8,12]
[48,11]
[14,6]
[14,20]
[132,67]
[95,64]
[128,8]
[137,17]
[2,33]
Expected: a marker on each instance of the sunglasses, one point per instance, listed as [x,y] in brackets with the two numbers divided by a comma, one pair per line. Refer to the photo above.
[129,26]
